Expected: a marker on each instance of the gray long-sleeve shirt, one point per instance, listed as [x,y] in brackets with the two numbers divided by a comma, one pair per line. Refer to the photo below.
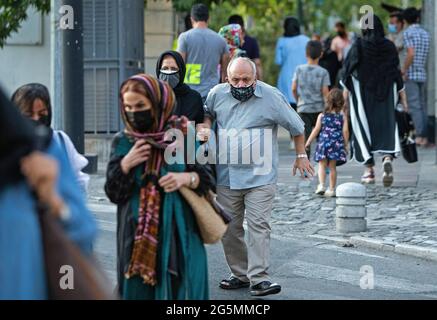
[248,132]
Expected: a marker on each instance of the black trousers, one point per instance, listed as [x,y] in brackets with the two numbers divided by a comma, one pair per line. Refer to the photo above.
[310,120]
[294,106]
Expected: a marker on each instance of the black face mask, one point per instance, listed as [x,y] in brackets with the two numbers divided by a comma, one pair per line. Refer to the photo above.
[243,94]
[141,121]
[42,121]
[341,33]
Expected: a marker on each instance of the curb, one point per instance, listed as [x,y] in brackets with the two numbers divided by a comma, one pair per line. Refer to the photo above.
[404,249]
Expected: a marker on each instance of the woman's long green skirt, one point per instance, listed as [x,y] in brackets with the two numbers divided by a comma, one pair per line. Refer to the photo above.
[192,280]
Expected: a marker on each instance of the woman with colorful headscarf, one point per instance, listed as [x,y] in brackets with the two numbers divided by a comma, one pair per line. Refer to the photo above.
[159,250]
[233,34]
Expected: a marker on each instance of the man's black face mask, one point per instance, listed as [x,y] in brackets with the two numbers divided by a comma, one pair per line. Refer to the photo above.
[243,94]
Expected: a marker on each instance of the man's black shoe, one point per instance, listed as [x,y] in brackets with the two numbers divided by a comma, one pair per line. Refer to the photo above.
[234,284]
[264,289]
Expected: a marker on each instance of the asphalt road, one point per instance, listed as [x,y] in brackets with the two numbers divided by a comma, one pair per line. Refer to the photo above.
[306,268]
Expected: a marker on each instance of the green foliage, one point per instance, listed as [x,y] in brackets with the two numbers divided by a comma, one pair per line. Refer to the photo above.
[14,12]
[268,17]
[185,5]
[318,12]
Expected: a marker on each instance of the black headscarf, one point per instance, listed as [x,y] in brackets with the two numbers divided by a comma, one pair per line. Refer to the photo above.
[189,102]
[181,88]
[291,27]
[25,96]
[374,60]
[18,138]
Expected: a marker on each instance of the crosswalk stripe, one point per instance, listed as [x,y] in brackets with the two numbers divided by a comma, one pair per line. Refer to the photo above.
[352,277]
[332,247]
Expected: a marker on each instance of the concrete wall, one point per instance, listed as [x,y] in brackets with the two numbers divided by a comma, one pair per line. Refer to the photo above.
[159,31]
[26,56]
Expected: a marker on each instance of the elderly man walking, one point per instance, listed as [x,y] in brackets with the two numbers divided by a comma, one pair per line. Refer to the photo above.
[252,111]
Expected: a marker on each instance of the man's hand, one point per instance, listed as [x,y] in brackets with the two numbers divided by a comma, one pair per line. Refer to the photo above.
[304,166]
[404,101]
[139,153]
[302,163]
[41,172]
[404,75]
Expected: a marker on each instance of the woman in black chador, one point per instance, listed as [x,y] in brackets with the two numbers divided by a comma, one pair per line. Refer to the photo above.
[372,77]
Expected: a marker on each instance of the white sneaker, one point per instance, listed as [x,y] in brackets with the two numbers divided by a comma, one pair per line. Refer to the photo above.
[330,194]
[320,190]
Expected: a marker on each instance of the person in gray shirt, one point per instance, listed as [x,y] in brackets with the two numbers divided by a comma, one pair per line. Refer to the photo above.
[251,110]
[203,51]
[310,87]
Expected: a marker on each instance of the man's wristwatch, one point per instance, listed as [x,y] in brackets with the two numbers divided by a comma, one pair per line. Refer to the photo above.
[302,156]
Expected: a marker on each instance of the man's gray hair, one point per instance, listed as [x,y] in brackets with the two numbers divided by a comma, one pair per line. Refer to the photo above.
[235,60]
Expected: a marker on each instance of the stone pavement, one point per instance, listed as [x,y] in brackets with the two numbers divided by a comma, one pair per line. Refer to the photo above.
[404,215]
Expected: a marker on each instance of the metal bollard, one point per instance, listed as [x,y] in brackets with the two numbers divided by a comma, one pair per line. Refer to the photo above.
[351,209]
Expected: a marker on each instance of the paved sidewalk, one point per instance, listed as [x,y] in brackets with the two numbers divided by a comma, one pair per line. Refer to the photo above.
[403,217]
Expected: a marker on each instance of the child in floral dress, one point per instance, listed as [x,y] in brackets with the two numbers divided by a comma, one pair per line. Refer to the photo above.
[333,135]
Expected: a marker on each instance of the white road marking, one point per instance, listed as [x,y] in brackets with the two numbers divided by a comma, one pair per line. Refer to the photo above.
[348,251]
[352,277]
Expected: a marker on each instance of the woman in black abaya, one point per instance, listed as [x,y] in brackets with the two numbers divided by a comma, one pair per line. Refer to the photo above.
[373,82]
